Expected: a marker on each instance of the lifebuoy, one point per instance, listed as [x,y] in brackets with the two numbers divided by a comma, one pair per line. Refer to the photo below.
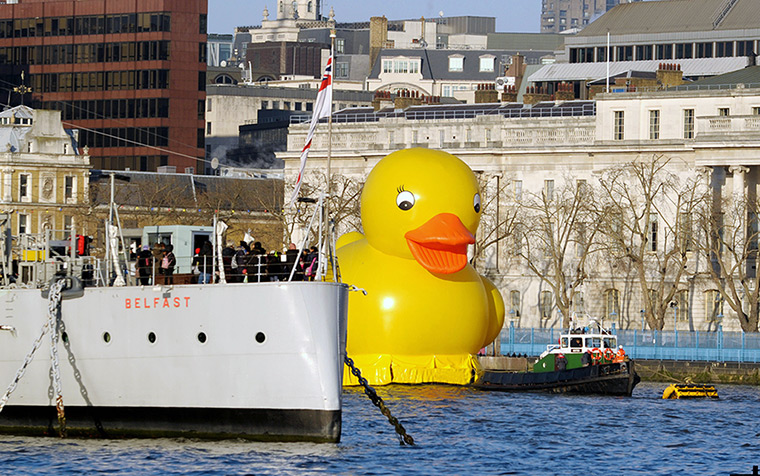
[596,354]
[609,354]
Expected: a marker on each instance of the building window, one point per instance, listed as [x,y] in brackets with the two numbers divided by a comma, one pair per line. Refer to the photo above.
[688,123]
[68,223]
[24,192]
[23,223]
[387,66]
[652,238]
[619,132]
[723,111]
[514,304]
[546,304]
[456,63]
[341,70]
[684,51]
[612,305]
[682,305]
[340,45]
[68,188]
[704,50]
[579,306]
[518,188]
[756,111]
[208,105]
[549,190]
[713,305]
[487,65]
[654,125]
[208,128]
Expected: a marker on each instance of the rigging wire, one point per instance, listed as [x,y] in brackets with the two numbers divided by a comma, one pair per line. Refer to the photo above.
[141,144]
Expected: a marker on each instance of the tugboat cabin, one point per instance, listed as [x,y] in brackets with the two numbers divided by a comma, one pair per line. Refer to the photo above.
[580,347]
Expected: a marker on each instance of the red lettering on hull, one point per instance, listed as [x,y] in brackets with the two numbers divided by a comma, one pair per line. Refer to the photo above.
[144,303]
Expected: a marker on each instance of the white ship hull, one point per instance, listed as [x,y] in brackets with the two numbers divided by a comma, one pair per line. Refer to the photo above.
[258,361]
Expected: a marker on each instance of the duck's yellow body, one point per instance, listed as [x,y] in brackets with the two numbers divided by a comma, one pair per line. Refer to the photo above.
[427,310]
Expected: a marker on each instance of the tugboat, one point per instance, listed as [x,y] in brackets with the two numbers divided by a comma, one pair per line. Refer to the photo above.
[586,360]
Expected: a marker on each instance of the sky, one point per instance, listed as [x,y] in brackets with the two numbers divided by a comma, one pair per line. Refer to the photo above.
[511,15]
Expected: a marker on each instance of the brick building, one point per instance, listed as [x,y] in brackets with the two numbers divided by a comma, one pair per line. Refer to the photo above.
[130,74]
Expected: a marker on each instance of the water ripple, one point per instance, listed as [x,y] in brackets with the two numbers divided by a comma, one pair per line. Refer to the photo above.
[458,431]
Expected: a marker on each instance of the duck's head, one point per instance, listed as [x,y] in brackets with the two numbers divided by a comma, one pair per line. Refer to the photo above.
[422,204]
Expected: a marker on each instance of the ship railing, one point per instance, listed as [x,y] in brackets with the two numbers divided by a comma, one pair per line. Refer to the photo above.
[715,345]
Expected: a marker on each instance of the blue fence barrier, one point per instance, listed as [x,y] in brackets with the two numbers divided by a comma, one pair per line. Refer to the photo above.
[715,346]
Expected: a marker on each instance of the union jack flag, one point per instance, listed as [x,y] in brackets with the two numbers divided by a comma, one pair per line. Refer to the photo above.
[322,108]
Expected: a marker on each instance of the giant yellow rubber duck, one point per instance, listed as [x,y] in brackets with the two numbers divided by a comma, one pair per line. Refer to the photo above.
[426,311]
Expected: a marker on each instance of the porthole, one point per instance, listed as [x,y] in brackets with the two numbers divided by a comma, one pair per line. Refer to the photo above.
[260,337]
[202,337]
[152,337]
[106,337]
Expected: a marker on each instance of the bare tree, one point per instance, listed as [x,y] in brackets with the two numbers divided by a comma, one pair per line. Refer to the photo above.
[557,230]
[343,203]
[649,228]
[497,222]
[731,252]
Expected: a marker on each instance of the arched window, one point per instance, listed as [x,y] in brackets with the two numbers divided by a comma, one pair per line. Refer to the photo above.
[612,305]
[546,304]
[514,304]
[713,305]
[309,7]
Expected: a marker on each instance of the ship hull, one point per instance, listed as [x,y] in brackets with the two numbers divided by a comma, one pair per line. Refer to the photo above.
[603,379]
[256,361]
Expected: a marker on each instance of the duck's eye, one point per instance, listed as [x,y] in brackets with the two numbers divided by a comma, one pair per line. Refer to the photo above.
[476,203]
[405,200]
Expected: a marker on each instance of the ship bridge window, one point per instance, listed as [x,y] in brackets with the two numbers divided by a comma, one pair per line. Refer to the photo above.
[610,342]
[593,342]
[576,343]
[563,342]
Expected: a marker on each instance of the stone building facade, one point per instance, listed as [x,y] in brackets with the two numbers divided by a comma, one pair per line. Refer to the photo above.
[707,138]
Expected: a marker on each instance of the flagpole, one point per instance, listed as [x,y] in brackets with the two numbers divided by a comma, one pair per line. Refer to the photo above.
[327,241]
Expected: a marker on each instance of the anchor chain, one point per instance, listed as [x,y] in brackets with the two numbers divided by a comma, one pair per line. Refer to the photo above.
[403,437]
[53,306]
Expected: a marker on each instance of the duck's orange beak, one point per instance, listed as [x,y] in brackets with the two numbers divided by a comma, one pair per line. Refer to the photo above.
[440,245]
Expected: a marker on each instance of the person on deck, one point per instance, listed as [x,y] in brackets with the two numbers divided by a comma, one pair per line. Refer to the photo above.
[144,265]
[205,263]
[168,262]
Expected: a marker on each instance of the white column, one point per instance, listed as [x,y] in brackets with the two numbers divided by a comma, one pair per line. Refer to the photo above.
[7,185]
[738,211]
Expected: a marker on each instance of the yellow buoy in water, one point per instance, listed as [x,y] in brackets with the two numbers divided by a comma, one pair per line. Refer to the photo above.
[689,391]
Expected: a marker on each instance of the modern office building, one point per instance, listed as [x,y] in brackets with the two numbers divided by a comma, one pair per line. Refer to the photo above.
[564,15]
[130,74]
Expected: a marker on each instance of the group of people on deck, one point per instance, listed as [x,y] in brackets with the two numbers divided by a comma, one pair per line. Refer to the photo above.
[253,264]
[156,264]
[241,263]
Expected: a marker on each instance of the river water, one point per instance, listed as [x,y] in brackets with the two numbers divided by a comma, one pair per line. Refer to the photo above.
[457,431]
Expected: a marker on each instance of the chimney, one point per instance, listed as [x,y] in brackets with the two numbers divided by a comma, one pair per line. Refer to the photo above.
[509,94]
[564,92]
[535,94]
[486,93]
[378,37]
[669,74]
